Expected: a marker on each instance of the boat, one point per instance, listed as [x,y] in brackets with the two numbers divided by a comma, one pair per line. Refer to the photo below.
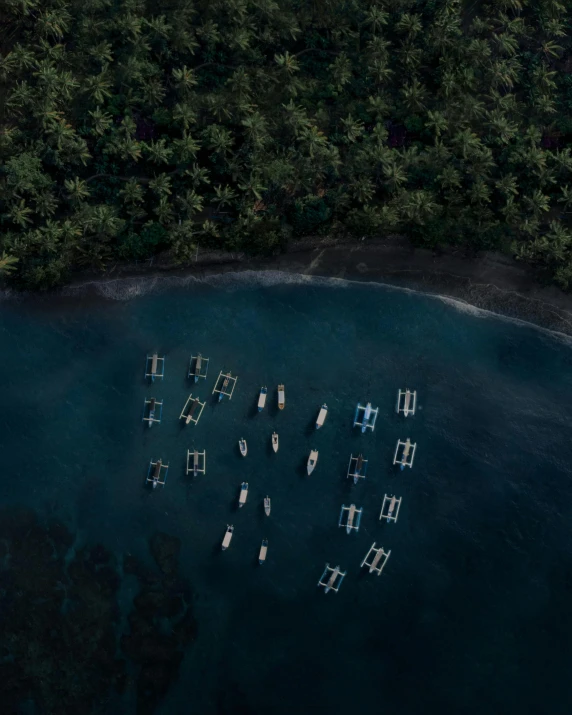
[262,398]
[336,576]
[200,369]
[152,411]
[281,397]
[263,550]
[275,441]
[243,494]
[369,417]
[222,393]
[312,460]
[150,406]
[359,466]
[322,416]
[227,537]
[267,505]
[243,447]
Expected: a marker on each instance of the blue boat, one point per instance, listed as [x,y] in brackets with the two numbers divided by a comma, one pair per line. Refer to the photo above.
[368,419]
[262,398]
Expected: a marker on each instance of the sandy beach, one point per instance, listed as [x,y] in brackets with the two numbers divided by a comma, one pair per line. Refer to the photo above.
[489,281]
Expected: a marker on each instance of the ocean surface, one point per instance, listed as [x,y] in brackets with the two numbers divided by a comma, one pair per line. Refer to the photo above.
[472,613]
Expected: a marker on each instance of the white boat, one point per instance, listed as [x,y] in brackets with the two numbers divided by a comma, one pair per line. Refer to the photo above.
[267,505]
[275,441]
[281,397]
[322,416]
[312,460]
[227,537]
[262,398]
[243,447]
[243,494]
[263,551]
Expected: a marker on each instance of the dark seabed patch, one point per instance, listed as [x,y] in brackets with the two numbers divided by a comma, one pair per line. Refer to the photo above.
[471,612]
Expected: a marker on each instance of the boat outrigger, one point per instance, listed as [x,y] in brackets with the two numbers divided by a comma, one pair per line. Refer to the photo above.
[357,467]
[267,505]
[379,560]
[263,551]
[388,507]
[406,402]
[336,576]
[157,473]
[322,416]
[155,367]
[243,494]
[281,397]
[242,446]
[200,368]
[227,536]
[196,462]
[262,398]
[367,419]
[312,461]
[192,410]
[407,453]
[352,512]
[227,386]
[150,411]
[275,441]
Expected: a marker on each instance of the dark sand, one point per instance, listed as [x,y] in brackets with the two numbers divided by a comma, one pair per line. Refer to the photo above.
[490,281]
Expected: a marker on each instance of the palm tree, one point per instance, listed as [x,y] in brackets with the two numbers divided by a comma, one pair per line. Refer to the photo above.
[158,152]
[537,202]
[161,185]
[418,206]
[437,122]
[7,263]
[353,128]
[467,142]
[186,148]
[566,197]
[77,189]
[185,79]
[102,121]
[395,175]
[191,202]
[507,186]
[224,196]
[20,214]
[414,95]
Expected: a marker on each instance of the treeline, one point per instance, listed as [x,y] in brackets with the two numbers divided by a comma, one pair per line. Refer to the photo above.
[133,126]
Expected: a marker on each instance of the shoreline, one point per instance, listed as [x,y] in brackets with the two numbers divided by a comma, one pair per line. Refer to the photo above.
[489,281]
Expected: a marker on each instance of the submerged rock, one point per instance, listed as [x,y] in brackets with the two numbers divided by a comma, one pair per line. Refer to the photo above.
[161,624]
[57,625]
[60,621]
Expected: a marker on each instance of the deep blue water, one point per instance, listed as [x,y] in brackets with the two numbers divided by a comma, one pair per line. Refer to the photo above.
[472,613]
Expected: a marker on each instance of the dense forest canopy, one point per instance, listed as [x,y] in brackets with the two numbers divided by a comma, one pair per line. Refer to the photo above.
[132,126]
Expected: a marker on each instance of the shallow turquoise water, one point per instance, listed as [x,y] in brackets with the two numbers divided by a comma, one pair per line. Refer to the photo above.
[471,614]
